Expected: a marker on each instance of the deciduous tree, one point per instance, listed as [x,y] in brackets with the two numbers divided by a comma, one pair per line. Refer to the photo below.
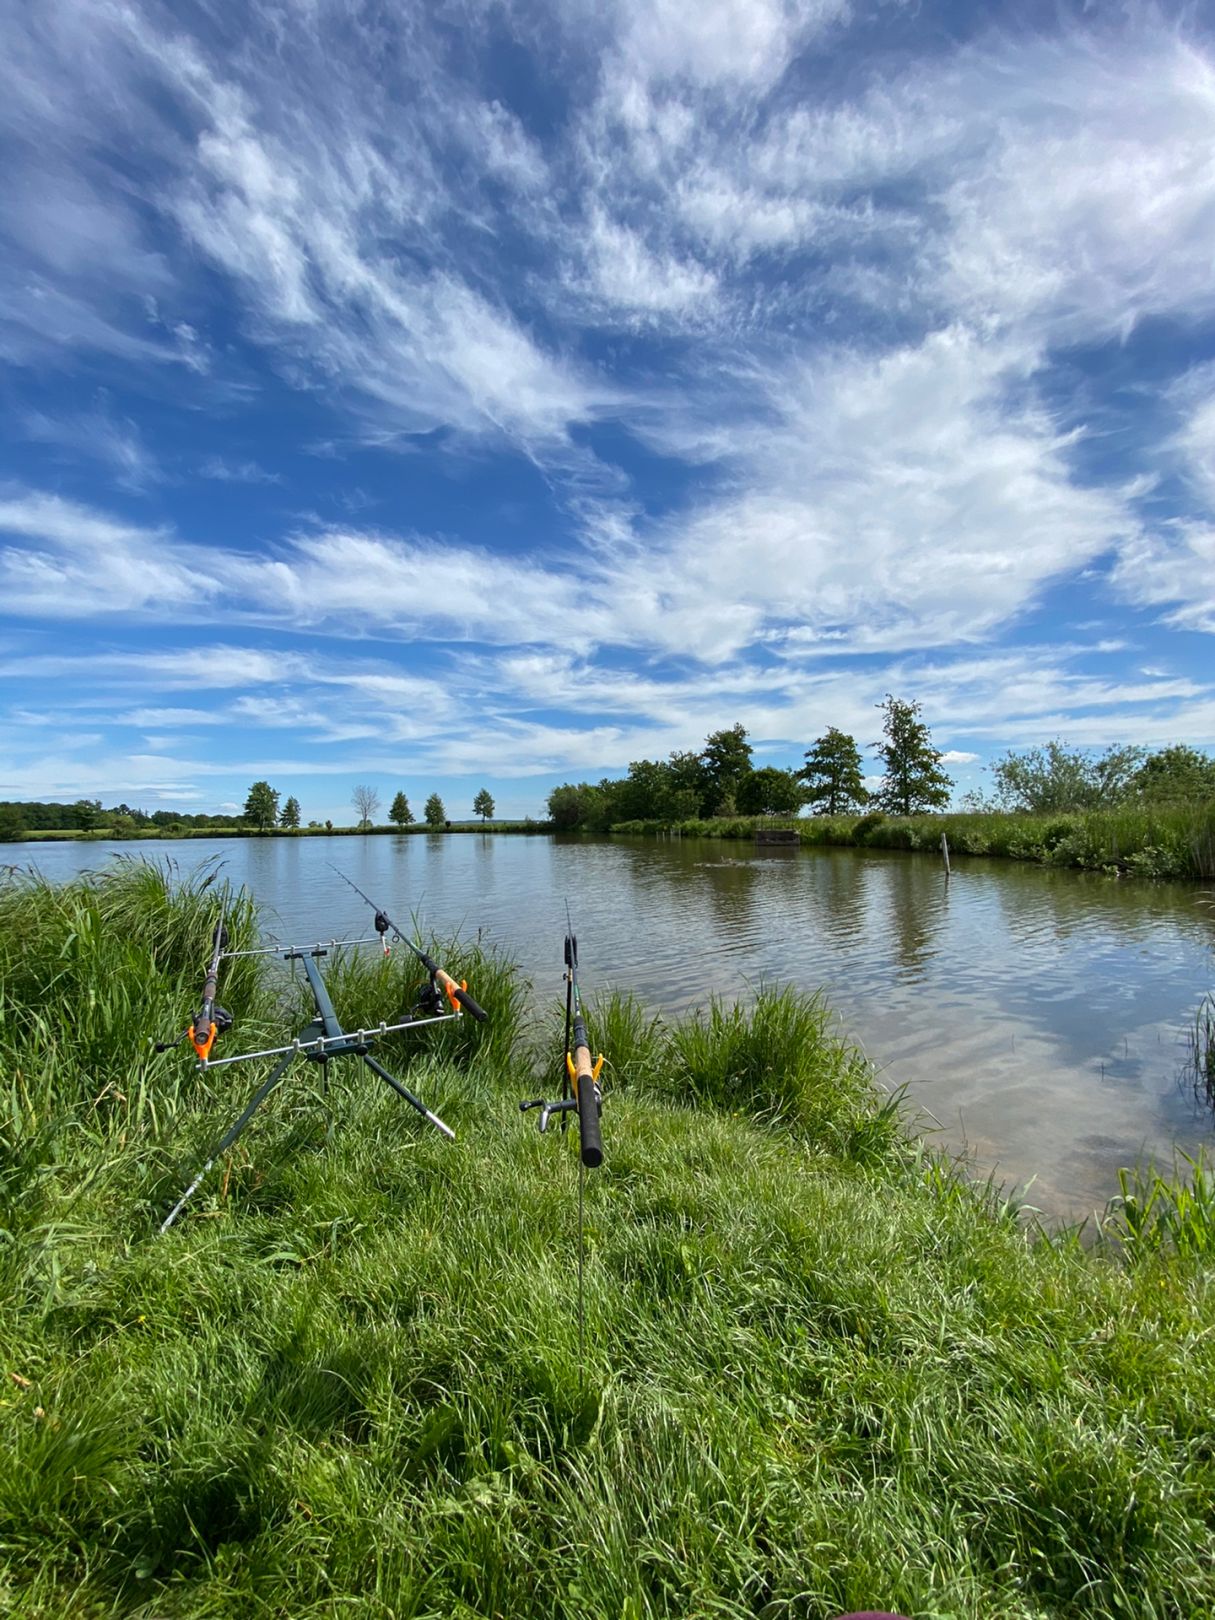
[483,805]
[833,774]
[913,780]
[727,759]
[85,814]
[261,807]
[1057,778]
[366,802]
[291,814]
[400,811]
[768,792]
[1175,774]
[435,814]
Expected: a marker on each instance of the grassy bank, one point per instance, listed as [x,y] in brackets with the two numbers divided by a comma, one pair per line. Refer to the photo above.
[821,1370]
[1170,841]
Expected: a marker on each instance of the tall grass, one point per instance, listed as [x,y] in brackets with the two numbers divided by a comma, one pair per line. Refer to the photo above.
[1163,841]
[821,1371]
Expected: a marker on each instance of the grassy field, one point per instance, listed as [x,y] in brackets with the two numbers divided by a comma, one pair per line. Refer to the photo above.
[1162,841]
[821,1369]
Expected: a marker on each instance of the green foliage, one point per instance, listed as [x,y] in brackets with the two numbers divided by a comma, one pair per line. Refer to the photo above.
[1175,1213]
[434,813]
[1056,777]
[85,814]
[483,805]
[291,815]
[914,780]
[865,827]
[576,808]
[726,758]
[400,812]
[1175,775]
[12,823]
[261,807]
[768,792]
[820,1369]
[833,774]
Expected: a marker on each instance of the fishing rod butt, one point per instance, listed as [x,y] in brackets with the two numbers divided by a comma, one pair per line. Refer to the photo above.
[471,1006]
[590,1140]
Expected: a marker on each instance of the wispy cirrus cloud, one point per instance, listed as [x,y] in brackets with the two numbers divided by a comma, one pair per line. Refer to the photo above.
[751,353]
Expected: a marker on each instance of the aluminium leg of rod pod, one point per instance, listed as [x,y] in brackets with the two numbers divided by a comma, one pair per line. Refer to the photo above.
[340,1043]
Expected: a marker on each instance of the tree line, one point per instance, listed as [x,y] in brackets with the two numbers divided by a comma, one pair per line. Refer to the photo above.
[18,816]
[720,779]
[262,808]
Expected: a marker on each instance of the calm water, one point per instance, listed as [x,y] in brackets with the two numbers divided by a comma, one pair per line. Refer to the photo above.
[1036,1016]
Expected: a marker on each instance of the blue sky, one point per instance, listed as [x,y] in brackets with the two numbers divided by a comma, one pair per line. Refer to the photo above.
[440,396]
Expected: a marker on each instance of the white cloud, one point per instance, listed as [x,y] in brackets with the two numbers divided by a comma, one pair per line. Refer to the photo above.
[1174,569]
[223,471]
[97,435]
[900,501]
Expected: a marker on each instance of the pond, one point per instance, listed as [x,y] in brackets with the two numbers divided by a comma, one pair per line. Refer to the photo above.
[1036,1017]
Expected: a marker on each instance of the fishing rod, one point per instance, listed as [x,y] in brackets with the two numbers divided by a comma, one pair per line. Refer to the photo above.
[441,982]
[577,1070]
[322,1039]
[580,1073]
[211,1019]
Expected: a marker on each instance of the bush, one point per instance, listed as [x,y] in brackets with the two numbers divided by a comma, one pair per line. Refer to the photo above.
[866,825]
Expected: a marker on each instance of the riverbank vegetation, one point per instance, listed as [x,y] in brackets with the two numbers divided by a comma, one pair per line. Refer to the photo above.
[1168,841]
[822,1370]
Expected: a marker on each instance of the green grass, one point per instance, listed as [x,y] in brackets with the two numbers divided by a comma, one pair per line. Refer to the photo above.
[1162,841]
[822,1370]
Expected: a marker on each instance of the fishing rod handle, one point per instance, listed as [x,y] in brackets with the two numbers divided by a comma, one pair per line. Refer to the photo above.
[461,995]
[587,1092]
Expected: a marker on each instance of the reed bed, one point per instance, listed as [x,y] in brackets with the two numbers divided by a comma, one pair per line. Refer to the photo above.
[1160,841]
[822,1370]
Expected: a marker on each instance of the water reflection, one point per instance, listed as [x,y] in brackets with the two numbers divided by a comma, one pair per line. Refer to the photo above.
[1039,1015]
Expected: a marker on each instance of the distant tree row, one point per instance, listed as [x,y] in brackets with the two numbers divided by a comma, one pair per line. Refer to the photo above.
[720,780]
[88,815]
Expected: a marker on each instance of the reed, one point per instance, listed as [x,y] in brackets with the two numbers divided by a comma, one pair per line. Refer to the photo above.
[822,1370]
[1160,841]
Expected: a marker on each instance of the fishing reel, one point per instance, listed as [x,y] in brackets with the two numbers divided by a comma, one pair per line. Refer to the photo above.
[221,1023]
[430,1000]
[568,1104]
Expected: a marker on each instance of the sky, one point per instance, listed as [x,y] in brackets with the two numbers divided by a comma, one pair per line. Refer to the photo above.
[457,395]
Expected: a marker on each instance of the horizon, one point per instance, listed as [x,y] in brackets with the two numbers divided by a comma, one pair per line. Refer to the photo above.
[494,399]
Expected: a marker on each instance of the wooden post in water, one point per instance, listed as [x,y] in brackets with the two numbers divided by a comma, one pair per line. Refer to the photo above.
[945,855]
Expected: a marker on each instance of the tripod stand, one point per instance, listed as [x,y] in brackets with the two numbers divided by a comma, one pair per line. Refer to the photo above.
[320,1039]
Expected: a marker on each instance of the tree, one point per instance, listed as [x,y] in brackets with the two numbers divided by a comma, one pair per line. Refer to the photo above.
[261,807]
[366,802]
[1058,778]
[400,811]
[913,780]
[85,814]
[726,757]
[1175,774]
[832,774]
[12,823]
[483,805]
[768,792]
[688,784]
[435,814]
[291,814]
